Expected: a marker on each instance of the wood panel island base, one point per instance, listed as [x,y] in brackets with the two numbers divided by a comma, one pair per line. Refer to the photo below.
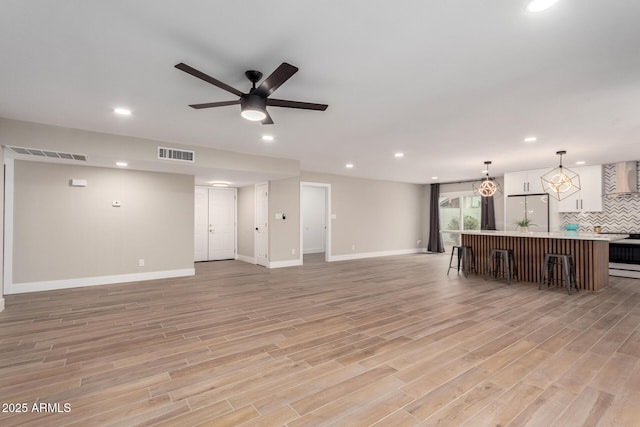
[590,253]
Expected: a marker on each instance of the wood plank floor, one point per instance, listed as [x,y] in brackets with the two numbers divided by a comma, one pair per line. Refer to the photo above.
[387,342]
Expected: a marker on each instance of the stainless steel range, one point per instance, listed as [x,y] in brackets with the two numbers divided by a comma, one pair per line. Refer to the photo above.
[624,257]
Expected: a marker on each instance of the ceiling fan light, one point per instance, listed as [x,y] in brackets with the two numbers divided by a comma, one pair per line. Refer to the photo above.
[253,115]
[539,5]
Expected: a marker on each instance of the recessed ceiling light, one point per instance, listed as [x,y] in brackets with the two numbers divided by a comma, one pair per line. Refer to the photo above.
[122,111]
[123,164]
[530,139]
[434,177]
[348,165]
[398,155]
[580,162]
[219,183]
[539,5]
[267,138]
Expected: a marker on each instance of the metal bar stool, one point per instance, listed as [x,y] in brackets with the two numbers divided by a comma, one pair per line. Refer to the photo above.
[502,262]
[465,259]
[567,276]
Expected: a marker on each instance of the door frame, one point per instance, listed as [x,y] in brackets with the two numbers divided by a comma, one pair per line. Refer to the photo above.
[328,218]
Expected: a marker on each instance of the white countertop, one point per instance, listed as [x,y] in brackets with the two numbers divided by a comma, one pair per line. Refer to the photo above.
[574,235]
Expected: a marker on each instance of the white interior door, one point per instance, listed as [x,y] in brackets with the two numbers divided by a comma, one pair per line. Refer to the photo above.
[222,223]
[214,224]
[201,225]
[261,241]
[314,217]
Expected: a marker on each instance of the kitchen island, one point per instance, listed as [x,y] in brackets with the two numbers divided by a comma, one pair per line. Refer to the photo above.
[590,253]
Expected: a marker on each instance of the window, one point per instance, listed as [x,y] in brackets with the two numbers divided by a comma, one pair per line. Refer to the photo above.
[458,212]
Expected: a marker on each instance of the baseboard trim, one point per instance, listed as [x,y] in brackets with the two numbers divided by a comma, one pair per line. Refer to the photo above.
[244,258]
[288,263]
[19,288]
[362,255]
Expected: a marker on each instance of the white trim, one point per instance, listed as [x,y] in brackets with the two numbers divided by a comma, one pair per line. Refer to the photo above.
[8,224]
[288,263]
[18,288]
[327,252]
[244,258]
[313,251]
[376,254]
[1,304]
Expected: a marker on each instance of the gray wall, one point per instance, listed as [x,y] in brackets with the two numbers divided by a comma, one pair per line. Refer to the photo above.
[372,215]
[140,153]
[284,234]
[2,233]
[246,221]
[64,232]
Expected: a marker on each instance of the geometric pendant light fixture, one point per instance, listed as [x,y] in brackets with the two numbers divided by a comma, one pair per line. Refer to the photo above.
[487,186]
[560,182]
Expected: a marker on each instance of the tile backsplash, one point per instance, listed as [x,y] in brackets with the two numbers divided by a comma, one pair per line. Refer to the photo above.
[619,213]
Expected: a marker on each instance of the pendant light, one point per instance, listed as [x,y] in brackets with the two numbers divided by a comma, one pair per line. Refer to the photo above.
[560,182]
[488,186]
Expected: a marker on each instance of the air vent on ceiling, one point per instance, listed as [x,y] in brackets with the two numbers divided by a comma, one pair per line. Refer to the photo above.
[48,154]
[174,154]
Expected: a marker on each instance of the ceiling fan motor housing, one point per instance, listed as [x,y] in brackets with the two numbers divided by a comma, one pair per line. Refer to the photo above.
[252,106]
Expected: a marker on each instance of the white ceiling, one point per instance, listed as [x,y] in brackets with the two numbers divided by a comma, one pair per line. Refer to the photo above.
[449,83]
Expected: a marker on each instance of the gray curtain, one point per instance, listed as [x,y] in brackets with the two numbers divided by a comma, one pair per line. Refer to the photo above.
[435,239]
[487,214]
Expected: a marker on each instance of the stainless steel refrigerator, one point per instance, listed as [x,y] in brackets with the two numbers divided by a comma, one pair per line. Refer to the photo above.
[532,206]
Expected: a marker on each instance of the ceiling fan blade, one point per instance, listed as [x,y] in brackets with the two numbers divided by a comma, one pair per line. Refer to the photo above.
[267,120]
[207,78]
[275,80]
[214,104]
[296,104]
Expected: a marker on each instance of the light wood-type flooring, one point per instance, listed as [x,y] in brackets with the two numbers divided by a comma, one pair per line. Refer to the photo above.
[388,341]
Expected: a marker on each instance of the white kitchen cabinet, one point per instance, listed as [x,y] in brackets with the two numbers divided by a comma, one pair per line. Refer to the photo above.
[523,182]
[589,198]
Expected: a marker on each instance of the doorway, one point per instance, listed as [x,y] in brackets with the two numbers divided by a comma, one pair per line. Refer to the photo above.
[261,241]
[315,224]
[215,224]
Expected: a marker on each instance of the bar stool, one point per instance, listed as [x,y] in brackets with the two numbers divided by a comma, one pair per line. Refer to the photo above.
[465,254]
[502,262]
[568,275]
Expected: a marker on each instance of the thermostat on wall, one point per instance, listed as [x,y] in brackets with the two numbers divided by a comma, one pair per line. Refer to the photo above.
[78,182]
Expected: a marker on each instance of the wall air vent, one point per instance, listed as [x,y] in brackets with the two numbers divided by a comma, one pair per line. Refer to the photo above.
[48,154]
[165,153]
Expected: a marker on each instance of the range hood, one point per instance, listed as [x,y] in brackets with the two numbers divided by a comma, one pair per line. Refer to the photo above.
[626,179]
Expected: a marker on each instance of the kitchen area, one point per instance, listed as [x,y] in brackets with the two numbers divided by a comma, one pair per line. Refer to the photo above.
[607,204]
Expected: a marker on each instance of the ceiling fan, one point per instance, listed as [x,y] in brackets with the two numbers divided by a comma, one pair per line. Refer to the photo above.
[253,105]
